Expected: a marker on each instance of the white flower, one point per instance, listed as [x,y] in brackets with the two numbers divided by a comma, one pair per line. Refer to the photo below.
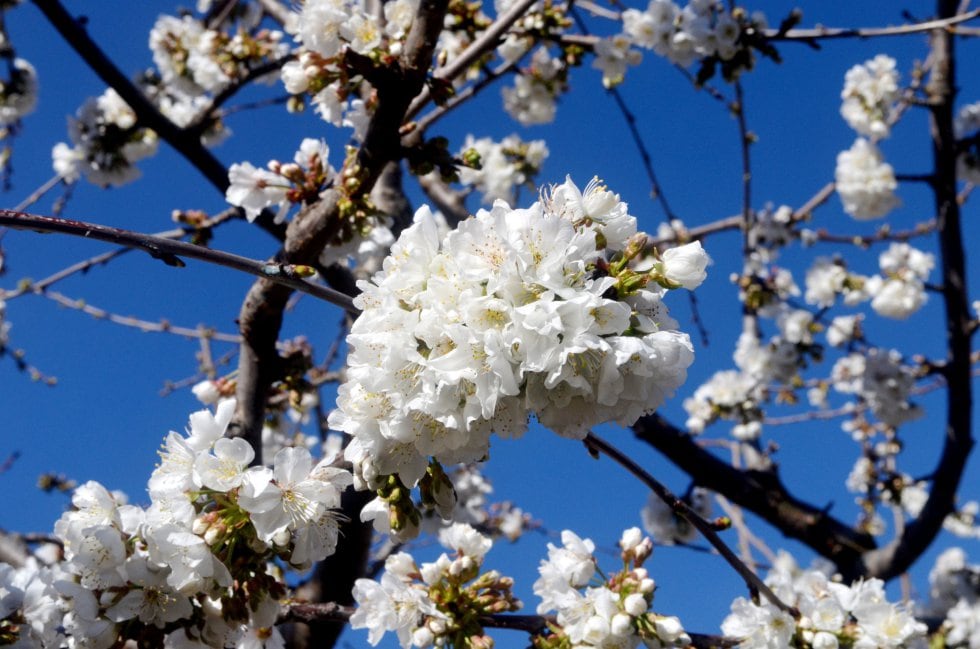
[295,500]
[613,56]
[865,182]
[896,298]
[685,265]
[869,96]
[225,469]
[466,540]
[391,605]
[566,568]
[843,329]
[255,189]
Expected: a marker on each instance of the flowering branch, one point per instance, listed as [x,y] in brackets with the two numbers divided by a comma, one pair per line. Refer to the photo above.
[184,141]
[261,314]
[170,252]
[487,40]
[755,585]
[898,555]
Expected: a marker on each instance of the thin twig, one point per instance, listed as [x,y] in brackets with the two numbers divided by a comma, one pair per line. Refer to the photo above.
[170,251]
[755,585]
[161,326]
[487,40]
[39,193]
[86,264]
[825,33]
[655,188]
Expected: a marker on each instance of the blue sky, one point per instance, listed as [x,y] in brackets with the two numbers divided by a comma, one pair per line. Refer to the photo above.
[106,417]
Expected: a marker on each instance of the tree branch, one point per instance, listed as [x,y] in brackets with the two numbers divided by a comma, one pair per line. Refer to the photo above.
[170,252]
[898,555]
[184,141]
[827,33]
[681,508]
[761,492]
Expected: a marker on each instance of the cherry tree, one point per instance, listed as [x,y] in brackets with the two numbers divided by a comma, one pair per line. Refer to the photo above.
[486,291]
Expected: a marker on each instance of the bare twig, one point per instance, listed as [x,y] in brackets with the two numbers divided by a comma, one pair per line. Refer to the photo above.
[761,492]
[160,326]
[98,260]
[681,508]
[826,33]
[170,251]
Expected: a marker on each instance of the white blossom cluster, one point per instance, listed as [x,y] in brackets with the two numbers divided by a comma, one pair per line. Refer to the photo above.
[832,614]
[967,125]
[193,59]
[193,64]
[873,476]
[325,29]
[882,382]
[728,394]
[865,182]
[607,613]
[106,142]
[869,97]
[197,555]
[516,312]
[18,93]
[665,526]
[613,56]
[532,98]
[280,185]
[278,429]
[436,602]
[703,28]
[504,166]
[954,597]
[897,292]
[196,62]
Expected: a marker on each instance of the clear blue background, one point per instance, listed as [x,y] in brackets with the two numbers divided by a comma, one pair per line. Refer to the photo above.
[105,419]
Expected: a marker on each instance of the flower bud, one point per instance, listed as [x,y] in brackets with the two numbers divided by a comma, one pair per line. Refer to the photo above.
[281,538]
[685,265]
[621,625]
[668,628]
[635,604]
[824,640]
[422,637]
